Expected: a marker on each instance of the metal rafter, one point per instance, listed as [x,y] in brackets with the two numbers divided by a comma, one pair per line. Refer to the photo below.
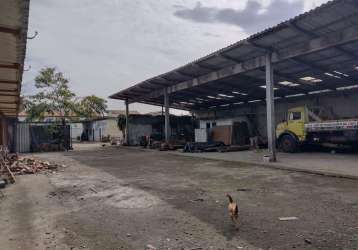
[329,40]
[278,74]
[10,65]
[308,47]
[9,81]
[321,69]
[10,30]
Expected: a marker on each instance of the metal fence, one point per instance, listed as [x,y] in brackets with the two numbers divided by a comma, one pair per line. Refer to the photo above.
[33,137]
[23,139]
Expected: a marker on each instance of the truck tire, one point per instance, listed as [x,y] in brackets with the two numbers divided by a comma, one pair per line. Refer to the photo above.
[288,144]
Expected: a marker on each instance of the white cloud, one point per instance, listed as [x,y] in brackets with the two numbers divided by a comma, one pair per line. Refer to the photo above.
[105,46]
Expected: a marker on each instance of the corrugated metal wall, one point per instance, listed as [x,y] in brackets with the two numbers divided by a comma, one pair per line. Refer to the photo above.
[23,138]
[136,131]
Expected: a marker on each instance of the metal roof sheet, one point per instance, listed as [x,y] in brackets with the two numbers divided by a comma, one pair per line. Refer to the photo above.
[333,16]
[13,35]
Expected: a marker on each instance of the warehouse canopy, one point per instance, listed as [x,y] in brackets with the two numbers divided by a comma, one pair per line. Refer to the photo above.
[312,54]
[13,35]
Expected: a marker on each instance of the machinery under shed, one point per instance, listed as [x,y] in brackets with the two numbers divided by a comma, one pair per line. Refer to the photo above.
[313,55]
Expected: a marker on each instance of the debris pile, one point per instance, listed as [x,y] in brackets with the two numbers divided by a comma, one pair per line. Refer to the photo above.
[13,164]
[21,165]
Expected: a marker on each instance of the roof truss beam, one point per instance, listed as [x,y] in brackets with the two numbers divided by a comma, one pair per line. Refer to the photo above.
[314,67]
[276,73]
[206,66]
[10,65]
[313,35]
[8,81]
[201,67]
[171,105]
[311,46]
[184,74]
[152,82]
[10,30]
[322,70]
[8,92]
[8,102]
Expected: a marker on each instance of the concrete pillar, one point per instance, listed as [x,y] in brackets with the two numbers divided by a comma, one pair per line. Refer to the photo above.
[167,116]
[270,105]
[126,133]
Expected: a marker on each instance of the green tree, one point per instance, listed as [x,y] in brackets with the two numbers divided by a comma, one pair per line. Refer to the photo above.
[54,96]
[92,106]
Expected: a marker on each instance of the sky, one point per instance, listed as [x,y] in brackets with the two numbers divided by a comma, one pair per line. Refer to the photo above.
[106,46]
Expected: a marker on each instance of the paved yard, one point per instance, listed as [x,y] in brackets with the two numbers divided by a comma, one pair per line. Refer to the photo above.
[341,164]
[122,198]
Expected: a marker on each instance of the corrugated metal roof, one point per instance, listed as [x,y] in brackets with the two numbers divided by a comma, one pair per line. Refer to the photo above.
[331,17]
[13,35]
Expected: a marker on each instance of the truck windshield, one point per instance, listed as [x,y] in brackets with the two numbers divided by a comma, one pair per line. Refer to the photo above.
[295,116]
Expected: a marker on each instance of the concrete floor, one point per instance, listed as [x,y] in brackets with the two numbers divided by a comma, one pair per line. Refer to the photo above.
[126,198]
[339,164]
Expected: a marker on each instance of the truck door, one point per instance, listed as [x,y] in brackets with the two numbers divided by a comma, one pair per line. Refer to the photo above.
[296,124]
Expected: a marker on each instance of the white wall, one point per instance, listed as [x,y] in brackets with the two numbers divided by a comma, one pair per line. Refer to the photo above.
[112,128]
[103,128]
[76,130]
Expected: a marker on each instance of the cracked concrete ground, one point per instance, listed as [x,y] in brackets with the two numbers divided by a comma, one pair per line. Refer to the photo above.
[124,198]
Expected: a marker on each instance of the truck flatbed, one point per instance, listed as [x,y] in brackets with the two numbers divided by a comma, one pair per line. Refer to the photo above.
[333,125]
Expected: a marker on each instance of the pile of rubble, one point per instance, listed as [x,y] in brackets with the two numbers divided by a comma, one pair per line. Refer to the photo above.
[13,164]
[21,165]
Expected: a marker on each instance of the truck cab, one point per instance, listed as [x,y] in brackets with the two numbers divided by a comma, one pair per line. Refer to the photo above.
[304,126]
[291,133]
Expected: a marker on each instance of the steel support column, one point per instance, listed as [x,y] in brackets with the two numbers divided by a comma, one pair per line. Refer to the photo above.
[270,107]
[167,116]
[126,134]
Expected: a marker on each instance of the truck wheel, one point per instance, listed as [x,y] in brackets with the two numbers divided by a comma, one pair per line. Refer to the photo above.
[288,144]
